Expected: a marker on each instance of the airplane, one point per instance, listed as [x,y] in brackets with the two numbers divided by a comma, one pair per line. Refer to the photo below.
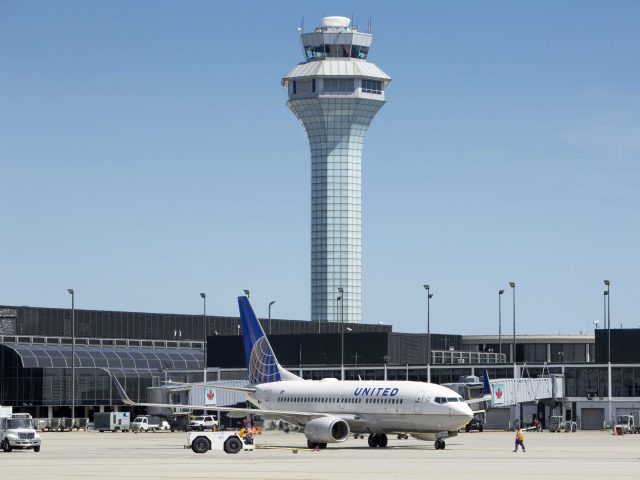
[331,410]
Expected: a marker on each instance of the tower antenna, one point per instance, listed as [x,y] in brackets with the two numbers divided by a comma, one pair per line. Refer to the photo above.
[369,29]
[302,25]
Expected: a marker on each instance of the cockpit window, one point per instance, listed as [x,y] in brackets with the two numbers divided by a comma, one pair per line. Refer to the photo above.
[440,400]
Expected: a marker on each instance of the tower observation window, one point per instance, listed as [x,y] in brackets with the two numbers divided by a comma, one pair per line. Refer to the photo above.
[372,86]
[338,85]
[336,51]
[358,51]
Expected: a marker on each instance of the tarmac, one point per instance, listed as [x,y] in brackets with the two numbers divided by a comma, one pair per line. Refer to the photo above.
[161,455]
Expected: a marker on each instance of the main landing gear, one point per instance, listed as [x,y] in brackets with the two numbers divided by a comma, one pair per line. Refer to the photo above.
[378,440]
[314,445]
[439,444]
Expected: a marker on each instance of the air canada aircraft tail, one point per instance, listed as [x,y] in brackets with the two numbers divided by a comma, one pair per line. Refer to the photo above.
[261,360]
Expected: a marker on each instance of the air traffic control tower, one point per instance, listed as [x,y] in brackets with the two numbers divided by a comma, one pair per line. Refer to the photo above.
[335,93]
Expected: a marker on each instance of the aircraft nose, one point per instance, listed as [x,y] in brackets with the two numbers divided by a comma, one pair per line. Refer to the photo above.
[465,410]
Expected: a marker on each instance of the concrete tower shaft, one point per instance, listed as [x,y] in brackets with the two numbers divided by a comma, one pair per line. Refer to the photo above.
[336,93]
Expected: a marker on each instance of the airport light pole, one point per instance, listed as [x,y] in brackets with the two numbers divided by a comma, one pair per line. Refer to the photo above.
[341,297]
[73,356]
[270,304]
[204,335]
[607,298]
[246,292]
[513,354]
[500,292]
[429,295]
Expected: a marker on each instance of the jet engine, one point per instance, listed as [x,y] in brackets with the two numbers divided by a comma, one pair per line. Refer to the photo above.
[327,430]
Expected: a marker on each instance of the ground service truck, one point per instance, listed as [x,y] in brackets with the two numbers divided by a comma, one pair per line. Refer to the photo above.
[112,421]
[16,431]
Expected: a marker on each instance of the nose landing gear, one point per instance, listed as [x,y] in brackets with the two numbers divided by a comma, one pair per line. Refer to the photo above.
[439,445]
[378,440]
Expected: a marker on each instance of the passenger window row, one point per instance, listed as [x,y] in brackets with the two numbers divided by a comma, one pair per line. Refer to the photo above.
[394,401]
[318,400]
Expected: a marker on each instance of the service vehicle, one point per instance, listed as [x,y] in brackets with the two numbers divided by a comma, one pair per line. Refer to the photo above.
[559,424]
[178,422]
[203,422]
[16,431]
[475,423]
[149,423]
[627,423]
[112,421]
[227,441]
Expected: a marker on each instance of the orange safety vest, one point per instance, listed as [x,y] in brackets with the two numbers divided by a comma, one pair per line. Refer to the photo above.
[520,435]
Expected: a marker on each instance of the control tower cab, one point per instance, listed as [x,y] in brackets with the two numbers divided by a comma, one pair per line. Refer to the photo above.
[335,93]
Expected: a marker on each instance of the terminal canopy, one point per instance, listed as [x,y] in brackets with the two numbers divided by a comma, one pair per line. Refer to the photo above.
[50,356]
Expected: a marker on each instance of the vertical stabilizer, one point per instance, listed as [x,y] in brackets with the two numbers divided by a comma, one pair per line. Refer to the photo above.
[261,361]
[486,387]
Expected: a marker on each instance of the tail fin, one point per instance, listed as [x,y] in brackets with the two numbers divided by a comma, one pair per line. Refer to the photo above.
[261,361]
[486,387]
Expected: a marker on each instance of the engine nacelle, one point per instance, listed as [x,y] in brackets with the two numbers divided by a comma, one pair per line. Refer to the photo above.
[327,430]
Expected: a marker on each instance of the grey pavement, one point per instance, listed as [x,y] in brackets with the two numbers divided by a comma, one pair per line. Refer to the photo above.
[95,455]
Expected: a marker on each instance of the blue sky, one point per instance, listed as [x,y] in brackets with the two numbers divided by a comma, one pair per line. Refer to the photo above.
[146,155]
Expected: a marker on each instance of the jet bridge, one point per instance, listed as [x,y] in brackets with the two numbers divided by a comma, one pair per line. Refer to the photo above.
[510,391]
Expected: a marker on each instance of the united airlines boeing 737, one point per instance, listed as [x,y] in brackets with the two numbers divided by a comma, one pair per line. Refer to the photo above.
[330,410]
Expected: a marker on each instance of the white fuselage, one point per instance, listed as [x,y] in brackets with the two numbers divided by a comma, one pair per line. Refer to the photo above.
[370,406]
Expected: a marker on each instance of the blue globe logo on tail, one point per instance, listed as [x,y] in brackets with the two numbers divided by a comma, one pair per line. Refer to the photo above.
[263,366]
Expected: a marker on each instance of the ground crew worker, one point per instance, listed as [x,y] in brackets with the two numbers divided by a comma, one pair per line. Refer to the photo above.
[248,439]
[243,433]
[519,439]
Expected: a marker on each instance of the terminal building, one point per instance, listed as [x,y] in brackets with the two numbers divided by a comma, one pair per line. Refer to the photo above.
[143,350]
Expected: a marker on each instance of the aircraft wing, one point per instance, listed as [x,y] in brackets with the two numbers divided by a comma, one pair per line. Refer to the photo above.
[300,418]
[219,387]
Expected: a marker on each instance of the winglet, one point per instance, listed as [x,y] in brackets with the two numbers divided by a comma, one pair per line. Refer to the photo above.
[486,387]
[123,395]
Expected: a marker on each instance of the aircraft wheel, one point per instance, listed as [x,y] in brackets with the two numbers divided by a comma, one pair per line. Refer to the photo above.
[382,440]
[311,445]
[322,446]
[439,445]
[373,440]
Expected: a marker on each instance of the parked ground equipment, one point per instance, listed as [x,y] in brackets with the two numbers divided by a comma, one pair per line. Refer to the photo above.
[203,422]
[558,424]
[149,423]
[627,423]
[112,421]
